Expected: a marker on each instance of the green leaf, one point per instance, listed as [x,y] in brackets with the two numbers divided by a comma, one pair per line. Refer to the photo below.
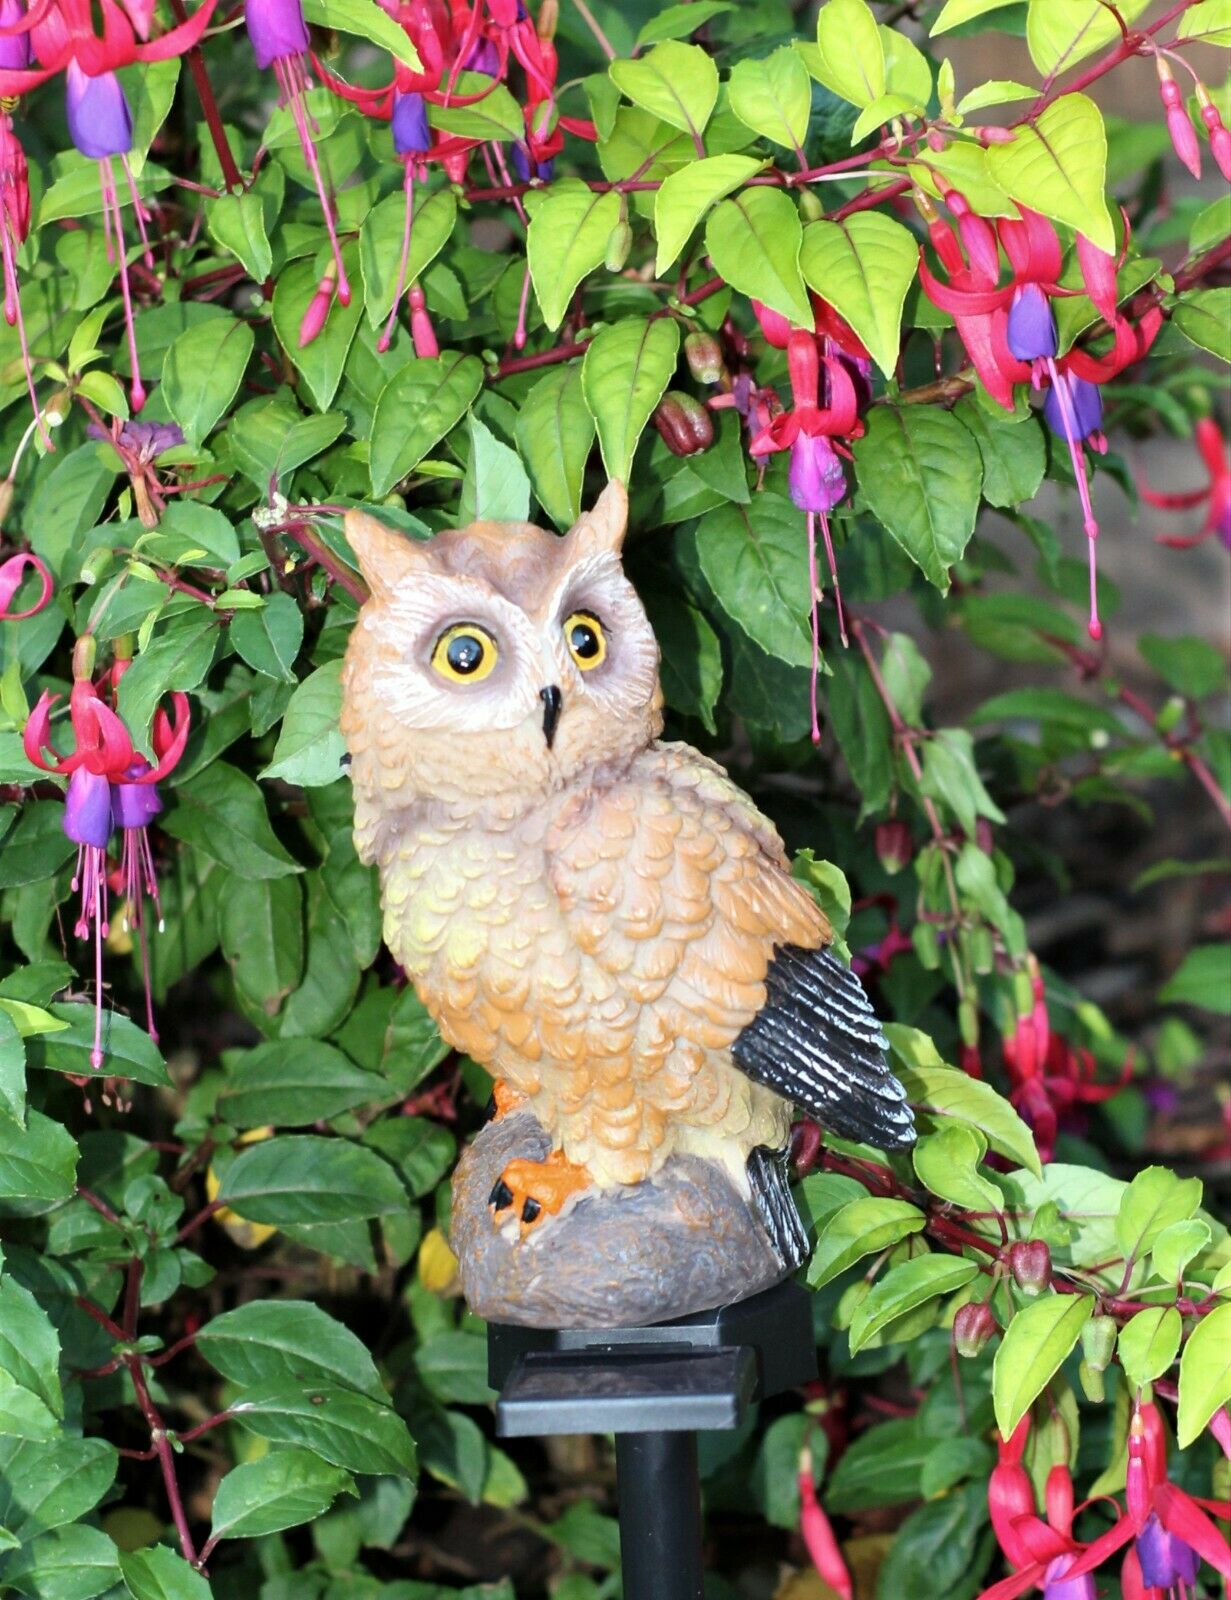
[453,1365]
[260,928]
[555,433]
[685,196]
[269,438]
[321,360]
[38,1165]
[1060,33]
[755,559]
[202,371]
[1203,979]
[281,1490]
[365,20]
[72,1563]
[302,1178]
[495,488]
[567,238]
[269,639]
[691,664]
[677,83]
[1176,1246]
[1052,708]
[999,92]
[863,268]
[46,1483]
[906,1287]
[860,1228]
[200,526]
[1205,1374]
[626,368]
[947,1163]
[954,12]
[105,392]
[880,1468]
[293,1082]
[349,1429]
[1012,450]
[177,658]
[951,776]
[921,473]
[1058,165]
[221,812]
[1148,1344]
[380,244]
[285,1341]
[1189,665]
[310,746]
[754,241]
[29,1345]
[940,1091]
[1152,1202]
[1203,316]
[160,1574]
[12,1068]
[417,407]
[495,117]
[773,97]
[1208,21]
[131,1053]
[677,22]
[237,223]
[851,51]
[1035,1343]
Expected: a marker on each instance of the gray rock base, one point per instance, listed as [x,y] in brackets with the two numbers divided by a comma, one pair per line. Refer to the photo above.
[682,1241]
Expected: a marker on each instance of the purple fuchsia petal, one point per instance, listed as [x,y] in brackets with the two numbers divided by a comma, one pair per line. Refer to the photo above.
[484,58]
[411,135]
[99,120]
[16,53]
[1057,1586]
[1165,1559]
[1085,404]
[1031,328]
[815,478]
[87,808]
[134,805]
[277,30]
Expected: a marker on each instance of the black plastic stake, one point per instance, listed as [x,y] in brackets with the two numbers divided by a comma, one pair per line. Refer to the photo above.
[660,1516]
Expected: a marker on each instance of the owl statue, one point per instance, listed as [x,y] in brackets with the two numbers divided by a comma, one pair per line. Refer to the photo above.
[602,919]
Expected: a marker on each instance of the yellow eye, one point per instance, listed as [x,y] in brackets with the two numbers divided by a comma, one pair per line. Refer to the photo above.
[587,643]
[464,653]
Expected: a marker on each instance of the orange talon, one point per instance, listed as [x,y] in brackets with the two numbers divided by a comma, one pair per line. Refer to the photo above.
[536,1190]
[507,1098]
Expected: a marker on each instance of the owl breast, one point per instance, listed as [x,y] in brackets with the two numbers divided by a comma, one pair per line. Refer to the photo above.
[473,917]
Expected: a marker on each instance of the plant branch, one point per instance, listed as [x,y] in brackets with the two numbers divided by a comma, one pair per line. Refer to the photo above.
[231,174]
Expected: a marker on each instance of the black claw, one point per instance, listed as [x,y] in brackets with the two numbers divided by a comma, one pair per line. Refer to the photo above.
[501,1195]
[489,1110]
[530,1211]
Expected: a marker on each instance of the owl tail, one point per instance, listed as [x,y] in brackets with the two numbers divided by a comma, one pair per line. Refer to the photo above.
[769,1175]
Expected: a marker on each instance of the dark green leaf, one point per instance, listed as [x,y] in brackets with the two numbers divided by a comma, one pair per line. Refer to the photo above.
[301,1178]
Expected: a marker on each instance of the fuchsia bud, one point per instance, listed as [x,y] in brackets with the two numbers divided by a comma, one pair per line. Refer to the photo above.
[421,330]
[315,316]
[774,325]
[1220,137]
[973,1325]
[1098,1341]
[703,354]
[1098,271]
[12,574]
[1179,125]
[1030,1264]
[819,1536]
[894,845]
[978,236]
[683,423]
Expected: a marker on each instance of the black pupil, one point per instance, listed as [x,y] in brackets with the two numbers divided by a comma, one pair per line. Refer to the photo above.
[464,653]
[584,641]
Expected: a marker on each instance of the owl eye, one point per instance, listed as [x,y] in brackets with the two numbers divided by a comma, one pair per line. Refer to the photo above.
[464,653]
[587,643]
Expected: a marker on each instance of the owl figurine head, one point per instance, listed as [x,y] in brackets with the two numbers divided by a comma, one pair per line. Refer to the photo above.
[495,662]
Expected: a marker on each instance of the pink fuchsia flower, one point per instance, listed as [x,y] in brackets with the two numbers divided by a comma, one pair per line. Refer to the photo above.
[12,575]
[818,1535]
[1179,125]
[1215,496]
[15,199]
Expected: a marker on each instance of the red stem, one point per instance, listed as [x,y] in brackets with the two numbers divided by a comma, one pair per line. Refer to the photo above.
[231,174]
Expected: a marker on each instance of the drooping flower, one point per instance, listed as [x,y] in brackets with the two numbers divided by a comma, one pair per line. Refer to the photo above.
[818,1535]
[12,575]
[15,196]
[1215,496]
[103,771]
[62,39]
[138,445]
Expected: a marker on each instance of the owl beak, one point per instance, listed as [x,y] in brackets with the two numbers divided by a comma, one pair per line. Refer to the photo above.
[552,703]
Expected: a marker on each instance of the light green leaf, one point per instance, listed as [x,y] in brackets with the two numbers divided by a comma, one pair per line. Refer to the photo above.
[677,22]
[365,20]
[863,268]
[496,116]
[940,1091]
[678,83]
[1148,1344]
[380,244]
[756,563]
[1058,165]
[417,407]
[1204,318]
[221,811]
[624,373]
[773,97]
[1208,21]
[567,238]
[237,223]
[1176,1246]
[202,371]
[947,1163]
[1012,449]
[281,1490]
[1152,1202]
[321,360]
[555,433]
[921,473]
[1035,1343]
[861,1228]
[495,488]
[685,196]
[954,12]
[906,1287]
[998,92]
[1205,1374]
[161,1574]
[882,110]
[29,1345]
[268,639]
[851,51]
[1060,33]
[754,241]
[310,746]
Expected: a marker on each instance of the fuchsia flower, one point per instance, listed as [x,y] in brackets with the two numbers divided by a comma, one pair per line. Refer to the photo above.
[110,785]
[61,38]
[12,574]
[818,1535]
[1010,335]
[1215,496]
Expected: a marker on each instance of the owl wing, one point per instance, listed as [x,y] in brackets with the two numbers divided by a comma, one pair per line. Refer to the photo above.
[678,887]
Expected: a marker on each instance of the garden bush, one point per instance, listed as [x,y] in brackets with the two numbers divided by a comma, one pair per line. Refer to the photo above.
[846,313]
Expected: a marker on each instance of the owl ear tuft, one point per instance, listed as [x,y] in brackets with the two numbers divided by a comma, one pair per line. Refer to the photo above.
[603,527]
[385,556]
